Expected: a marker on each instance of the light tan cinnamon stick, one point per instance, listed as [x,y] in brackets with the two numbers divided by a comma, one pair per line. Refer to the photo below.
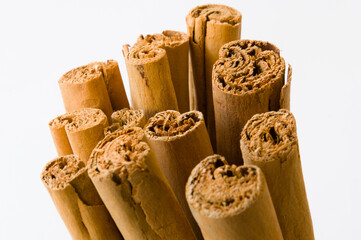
[78,132]
[126,118]
[135,191]
[96,85]
[150,79]
[247,79]
[269,140]
[231,202]
[176,44]
[209,27]
[179,142]
[77,201]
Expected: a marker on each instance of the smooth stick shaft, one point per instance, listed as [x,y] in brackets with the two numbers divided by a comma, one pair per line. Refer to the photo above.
[269,140]
[179,142]
[230,202]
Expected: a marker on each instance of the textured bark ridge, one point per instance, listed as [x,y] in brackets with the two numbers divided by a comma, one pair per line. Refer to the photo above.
[179,142]
[96,85]
[126,118]
[132,186]
[78,132]
[176,44]
[248,78]
[77,201]
[150,80]
[269,140]
[210,27]
[230,202]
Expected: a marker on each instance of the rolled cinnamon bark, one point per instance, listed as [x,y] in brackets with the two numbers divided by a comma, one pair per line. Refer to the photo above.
[78,132]
[150,79]
[269,140]
[135,191]
[176,44]
[77,201]
[231,202]
[179,142]
[247,79]
[209,27]
[126,118]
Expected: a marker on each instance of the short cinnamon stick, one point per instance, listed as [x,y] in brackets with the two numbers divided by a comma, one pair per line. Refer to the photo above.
[176,44]
[210,27]
[77,201]
[135,191]
[231,202]
[78,132]
[269,140]
[150,79]
[126,118]
[179,142]
[247,79]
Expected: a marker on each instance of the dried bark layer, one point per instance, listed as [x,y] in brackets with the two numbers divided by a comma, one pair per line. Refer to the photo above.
[150,79]
[248,78]
[230,202]
[126,118]
[179,142]
[78,132]
[176,45]
[269,140]
[96,85]
[210,27]
[77,201]
[135,191]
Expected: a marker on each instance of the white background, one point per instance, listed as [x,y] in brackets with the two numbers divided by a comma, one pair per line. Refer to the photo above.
[41,40]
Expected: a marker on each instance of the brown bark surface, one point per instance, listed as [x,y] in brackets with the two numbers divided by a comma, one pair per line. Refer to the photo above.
[209,27]
[231,202]
[269,140]
[179,142]
[134,189]
[77,201]
[247,79]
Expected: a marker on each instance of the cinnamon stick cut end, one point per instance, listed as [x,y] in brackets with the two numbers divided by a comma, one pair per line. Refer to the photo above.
[269,135]
[129,117]
[218,190]
[166,39]
[171,124]
[143,55]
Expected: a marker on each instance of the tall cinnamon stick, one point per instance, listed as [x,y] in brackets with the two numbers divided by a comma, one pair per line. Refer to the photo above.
[176,44]
[96,85]
[179,142]
[78,132]
[269,140]
[150,79]
[77,201]
[247,79]
[231,202]
[135,191]
[209,27]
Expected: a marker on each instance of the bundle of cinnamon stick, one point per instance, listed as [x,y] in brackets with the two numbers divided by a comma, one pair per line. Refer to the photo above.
[208,148]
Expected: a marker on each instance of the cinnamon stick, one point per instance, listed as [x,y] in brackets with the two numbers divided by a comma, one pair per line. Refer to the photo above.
[247,79]
[96,85]
[209,27]
[126,118]
[150,79]
[231,202]
[77,201]
[176,44]
[78,132]
[179,142]
[269,140]
[135,191]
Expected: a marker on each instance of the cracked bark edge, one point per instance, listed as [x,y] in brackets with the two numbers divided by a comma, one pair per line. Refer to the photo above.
[150,79]
[269,140]
[231,202]
[77,200]
[135,191]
